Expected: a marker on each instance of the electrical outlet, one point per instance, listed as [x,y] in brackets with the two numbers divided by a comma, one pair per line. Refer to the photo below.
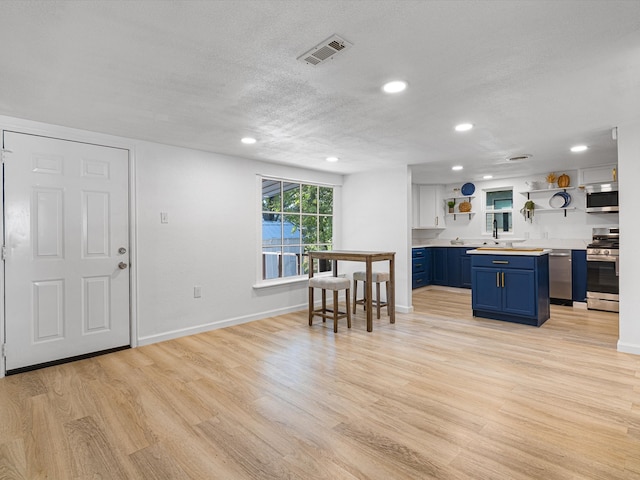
[164,217]
[197,291]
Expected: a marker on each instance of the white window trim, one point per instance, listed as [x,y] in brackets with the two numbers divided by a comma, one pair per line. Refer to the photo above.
[298,279]
[486,210]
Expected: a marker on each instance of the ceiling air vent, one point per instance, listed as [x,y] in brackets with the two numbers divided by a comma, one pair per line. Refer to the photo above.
[519,158]
[324,51]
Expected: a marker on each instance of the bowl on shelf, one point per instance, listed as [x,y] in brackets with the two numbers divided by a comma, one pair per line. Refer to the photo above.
[464,207]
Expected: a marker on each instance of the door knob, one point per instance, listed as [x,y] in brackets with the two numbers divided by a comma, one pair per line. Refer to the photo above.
[122,250]
[122,265]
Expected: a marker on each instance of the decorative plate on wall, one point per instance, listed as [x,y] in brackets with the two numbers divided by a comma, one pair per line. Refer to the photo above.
[468,189]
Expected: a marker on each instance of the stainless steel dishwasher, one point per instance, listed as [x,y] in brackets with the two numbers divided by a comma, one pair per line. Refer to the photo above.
[560,276]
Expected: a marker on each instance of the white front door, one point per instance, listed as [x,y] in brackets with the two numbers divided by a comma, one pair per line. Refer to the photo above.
[66,214]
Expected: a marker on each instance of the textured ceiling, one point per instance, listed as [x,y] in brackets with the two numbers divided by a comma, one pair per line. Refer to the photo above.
[534,77]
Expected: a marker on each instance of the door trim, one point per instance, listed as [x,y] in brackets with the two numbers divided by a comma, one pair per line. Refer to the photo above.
[8,124]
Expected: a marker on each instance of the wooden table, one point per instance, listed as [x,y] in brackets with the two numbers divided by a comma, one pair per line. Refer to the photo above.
[367,257]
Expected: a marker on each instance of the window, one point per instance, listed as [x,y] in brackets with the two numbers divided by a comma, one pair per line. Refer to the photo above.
[499,209]
[296,218]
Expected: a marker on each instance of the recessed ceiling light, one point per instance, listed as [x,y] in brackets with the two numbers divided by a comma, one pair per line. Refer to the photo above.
[248,140]
[332,159]
[457,167]
[488,177]
[396,86]
[464,127]
[579,148]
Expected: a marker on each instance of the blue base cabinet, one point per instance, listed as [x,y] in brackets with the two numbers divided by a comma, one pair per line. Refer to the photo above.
[446,266]
[459,267]
[579,275]
[440,266]
[465,269]
[421,267]
[511,288]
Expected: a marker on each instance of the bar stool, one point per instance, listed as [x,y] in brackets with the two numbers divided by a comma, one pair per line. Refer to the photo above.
[329,283]
[377,278]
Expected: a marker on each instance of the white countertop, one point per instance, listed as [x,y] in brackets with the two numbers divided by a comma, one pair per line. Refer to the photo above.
[511,251]
[550,243]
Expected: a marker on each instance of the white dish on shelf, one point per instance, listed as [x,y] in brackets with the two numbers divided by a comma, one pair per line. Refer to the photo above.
[560,200]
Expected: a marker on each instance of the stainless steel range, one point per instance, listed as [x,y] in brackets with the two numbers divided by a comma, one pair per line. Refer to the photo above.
[602,270]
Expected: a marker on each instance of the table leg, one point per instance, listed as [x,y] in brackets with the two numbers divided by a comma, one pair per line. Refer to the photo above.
[392,294]
[369,299]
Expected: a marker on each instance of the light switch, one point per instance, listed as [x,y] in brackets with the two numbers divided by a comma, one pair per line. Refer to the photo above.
[164,217]
[197,291]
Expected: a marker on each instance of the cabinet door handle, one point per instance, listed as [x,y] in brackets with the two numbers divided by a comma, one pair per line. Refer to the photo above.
[502,262]
[436,221]
[502,279]
[498,279]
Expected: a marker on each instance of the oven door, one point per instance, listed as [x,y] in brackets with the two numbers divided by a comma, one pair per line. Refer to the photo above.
[602,282]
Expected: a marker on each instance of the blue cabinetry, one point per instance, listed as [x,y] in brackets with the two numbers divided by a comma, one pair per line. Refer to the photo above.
[465,269]
[421,267]
[511,288]
[579,275]
[440,266]
[458,267]
[447,266]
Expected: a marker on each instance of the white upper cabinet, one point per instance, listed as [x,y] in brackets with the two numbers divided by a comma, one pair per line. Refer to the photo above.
[428,213]
[603,173]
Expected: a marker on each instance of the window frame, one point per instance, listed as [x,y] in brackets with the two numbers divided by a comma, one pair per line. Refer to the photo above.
[304,247]
[486,210]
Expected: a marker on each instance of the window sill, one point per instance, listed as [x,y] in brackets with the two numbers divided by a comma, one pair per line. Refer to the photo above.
[278,282]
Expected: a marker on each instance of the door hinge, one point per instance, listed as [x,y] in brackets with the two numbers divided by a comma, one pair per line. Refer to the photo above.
[4,350]
[3,253]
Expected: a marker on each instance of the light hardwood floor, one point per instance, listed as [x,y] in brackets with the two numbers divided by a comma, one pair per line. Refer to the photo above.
[437,395]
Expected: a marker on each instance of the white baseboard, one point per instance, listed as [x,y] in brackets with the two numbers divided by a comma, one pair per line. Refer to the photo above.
[628,348]
[183,332]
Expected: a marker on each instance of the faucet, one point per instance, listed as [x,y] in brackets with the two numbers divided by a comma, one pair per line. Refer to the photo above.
[495,228]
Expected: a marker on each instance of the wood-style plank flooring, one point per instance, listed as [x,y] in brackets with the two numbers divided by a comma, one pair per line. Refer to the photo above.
[438,394]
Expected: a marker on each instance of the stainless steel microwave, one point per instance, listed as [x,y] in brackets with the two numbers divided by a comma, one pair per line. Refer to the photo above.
[602,198]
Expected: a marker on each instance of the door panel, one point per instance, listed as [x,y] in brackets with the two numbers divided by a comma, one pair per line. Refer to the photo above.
[66,216]
[520,292]
[488,293]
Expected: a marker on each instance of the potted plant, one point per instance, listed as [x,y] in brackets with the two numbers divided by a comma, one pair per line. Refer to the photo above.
[527,210]
[451,204]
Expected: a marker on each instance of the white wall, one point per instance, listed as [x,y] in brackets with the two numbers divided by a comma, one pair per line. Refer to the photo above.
[628,178]
[545,224]
[376,216]
[211,240]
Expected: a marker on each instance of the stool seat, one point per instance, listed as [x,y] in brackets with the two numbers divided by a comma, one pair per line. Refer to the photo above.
[334,284]
[376,277]
[330,283]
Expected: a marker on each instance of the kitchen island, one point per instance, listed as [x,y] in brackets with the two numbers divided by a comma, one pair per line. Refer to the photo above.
[511,284]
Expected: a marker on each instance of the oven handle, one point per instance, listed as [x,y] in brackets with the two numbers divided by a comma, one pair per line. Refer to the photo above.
[605,258]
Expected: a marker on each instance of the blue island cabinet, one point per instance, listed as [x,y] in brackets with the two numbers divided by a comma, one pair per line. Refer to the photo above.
[512,288]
